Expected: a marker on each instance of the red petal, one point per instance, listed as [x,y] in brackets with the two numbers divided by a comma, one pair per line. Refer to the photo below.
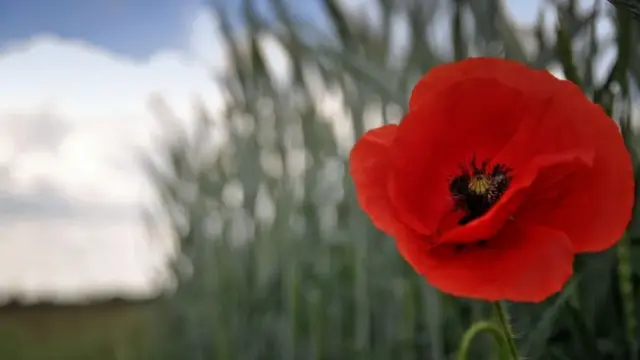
[507,72]
[369,167]
[476,117]
[524,262]
[537,179]
[595,207]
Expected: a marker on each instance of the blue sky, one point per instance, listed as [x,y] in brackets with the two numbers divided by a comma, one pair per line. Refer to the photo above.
[134,27]
[138,28]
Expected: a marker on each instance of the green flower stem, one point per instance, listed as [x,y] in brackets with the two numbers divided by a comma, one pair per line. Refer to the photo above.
[503,317]
[475,329]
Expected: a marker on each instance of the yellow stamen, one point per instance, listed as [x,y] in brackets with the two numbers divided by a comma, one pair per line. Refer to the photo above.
[479,184]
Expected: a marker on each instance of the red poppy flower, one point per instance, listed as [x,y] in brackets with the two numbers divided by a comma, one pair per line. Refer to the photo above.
[495,178]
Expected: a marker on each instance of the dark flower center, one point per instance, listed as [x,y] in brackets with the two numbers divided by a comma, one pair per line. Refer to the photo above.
[478,188]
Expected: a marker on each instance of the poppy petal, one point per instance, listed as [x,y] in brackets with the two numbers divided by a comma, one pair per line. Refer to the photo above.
[369,165]
[597,206]
[525,262]
[510,73]
[473,118]
[530,183]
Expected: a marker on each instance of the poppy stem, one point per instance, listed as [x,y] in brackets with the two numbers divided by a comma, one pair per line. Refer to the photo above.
[503,318]
[477,328]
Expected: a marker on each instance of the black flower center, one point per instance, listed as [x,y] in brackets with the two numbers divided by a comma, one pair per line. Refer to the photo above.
[478,188]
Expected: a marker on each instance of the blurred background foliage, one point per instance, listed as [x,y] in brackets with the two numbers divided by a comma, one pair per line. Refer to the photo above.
[286,266]
[278,261]
[108,331]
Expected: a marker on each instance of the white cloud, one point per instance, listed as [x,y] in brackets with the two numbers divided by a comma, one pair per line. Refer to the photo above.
[73,119]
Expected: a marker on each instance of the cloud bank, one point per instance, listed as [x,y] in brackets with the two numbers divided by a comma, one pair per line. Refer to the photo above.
[74,119]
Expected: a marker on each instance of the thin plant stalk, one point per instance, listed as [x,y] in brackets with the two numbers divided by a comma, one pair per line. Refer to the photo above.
[503,318]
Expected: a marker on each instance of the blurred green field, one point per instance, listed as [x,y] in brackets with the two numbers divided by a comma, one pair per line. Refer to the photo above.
[110,331]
